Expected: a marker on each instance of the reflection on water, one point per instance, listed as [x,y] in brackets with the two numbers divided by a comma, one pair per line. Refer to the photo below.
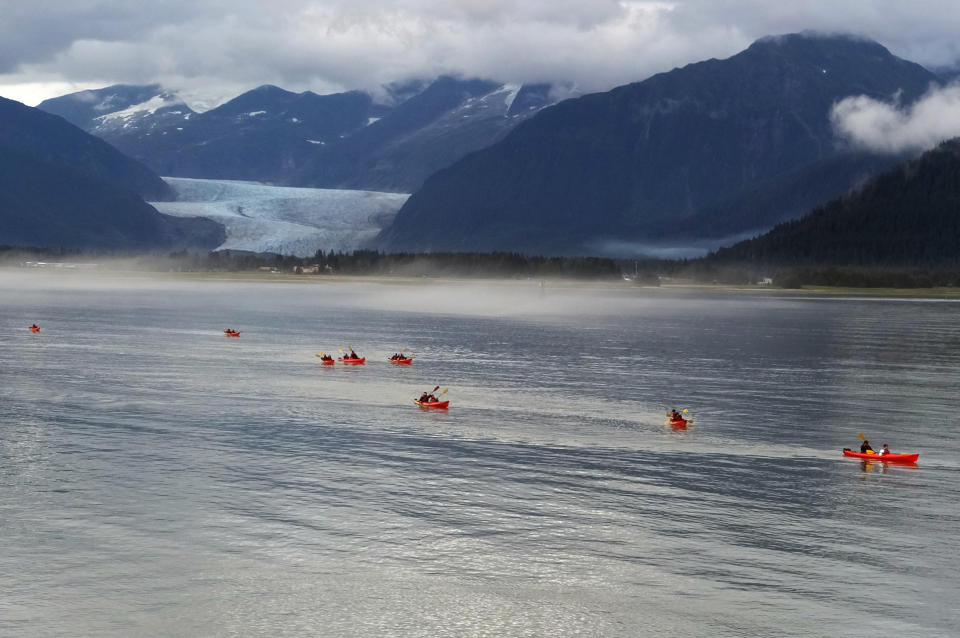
[160,479]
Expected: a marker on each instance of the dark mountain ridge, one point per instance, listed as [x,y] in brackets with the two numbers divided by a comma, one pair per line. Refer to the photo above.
[52,206]
[63,188]
[426,132]
[908,216]
[52,139]
[648,157]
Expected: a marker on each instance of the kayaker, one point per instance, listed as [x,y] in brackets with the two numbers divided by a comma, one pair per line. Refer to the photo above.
[676,416]
[865,448]
[425,398]
[353,355]
[885,450]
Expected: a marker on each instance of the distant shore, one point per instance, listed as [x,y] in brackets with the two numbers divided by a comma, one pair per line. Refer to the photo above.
[538,282]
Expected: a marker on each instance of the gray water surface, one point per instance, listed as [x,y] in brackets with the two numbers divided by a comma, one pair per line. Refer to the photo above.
[159,479]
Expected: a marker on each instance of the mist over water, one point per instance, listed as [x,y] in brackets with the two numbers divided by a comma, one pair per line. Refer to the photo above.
[157,478]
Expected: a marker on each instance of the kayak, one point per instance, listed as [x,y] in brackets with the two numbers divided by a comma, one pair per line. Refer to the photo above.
[356,362]
[34,329]
[327,362]
[886,458]
[401,362]
[232,334]
[437,405]
[680,423]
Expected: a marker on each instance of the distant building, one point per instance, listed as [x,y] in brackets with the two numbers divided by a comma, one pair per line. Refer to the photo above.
[766,281]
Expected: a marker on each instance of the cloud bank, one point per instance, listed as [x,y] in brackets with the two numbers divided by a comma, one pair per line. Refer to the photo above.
[216,48]
[888,127]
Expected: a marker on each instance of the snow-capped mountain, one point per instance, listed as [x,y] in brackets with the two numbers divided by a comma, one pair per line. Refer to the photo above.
[343,140]
[120,107]
[290,221]
[429,131]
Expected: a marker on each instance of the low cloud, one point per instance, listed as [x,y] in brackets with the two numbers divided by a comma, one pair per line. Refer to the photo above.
[217,48]
[889,127]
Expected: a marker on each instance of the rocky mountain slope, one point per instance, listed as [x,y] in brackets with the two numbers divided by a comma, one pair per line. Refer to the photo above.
[664,157]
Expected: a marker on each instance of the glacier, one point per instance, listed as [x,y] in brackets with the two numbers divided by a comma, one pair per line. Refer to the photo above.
[280,219]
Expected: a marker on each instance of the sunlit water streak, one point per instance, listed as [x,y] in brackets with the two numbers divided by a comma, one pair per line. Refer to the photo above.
[160,479]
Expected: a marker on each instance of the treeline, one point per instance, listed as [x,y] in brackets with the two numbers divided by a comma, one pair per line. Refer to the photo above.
[358,262]
[373,262]
[907,217]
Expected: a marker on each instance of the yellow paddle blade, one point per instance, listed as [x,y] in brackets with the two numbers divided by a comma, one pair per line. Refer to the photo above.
[860,434]
[668,414]
[340,350]
[445,390]
[666,422]
[689,420]
[686,410]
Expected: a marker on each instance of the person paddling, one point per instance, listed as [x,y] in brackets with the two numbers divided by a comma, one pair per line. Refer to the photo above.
[885,450]
[865,448]
[676,416]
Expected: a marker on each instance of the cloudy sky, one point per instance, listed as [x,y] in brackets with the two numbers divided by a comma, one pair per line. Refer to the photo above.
[211,50]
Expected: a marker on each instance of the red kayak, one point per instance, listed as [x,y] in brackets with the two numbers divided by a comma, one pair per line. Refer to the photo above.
[34,328]
[326,362]
[679,423]
[437,405]
[885,458]
[401,362]
[356,362]
[232,334]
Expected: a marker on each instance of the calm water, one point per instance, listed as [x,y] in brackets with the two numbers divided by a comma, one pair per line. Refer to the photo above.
[159,479]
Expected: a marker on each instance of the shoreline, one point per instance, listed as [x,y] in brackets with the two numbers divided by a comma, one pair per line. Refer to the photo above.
[66,273]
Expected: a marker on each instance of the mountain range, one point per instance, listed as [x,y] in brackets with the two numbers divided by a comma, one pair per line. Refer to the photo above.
[706,154]
[270,135]
[718,147]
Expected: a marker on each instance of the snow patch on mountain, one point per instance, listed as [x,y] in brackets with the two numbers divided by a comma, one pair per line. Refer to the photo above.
[151,106]
[512,91]
[278,219]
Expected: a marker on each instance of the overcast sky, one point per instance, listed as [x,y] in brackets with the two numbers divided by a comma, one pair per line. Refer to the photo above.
[211,50]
